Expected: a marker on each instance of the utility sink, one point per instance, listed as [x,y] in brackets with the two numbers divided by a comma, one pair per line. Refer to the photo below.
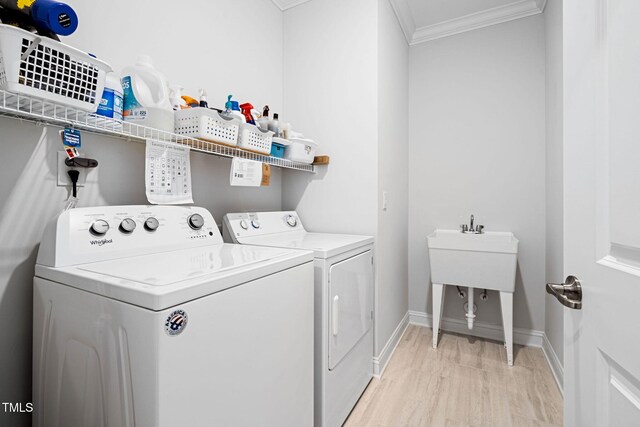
[473,258]
[486,261]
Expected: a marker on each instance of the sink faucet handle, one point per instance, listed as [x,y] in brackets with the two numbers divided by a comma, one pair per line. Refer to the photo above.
[479,228]
[464,228]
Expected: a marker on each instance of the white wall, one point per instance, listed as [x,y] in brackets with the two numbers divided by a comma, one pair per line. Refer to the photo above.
[393,141]
[330,94]
[346,65]
[225,46]
[554,188]
[28,192]
[477,145]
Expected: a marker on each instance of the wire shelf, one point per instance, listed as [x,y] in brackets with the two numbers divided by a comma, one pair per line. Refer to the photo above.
[42,111]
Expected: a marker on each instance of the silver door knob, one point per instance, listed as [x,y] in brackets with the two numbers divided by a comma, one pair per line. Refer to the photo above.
[568,293]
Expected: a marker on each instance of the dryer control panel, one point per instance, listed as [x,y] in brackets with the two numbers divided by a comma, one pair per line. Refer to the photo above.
[239,225]
[86,235]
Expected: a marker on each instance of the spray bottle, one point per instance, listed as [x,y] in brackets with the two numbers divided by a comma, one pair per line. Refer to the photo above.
[263,122]
[246,112]
[232,111]
[203,99]
[175,97]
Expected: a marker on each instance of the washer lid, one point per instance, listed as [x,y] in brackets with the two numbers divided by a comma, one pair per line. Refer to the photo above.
[167,279]
[323,245]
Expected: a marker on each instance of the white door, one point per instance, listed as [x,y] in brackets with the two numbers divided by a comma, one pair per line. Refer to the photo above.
[350,304]
[602,211]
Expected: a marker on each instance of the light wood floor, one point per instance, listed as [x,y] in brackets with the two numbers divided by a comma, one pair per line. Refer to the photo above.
[465,382]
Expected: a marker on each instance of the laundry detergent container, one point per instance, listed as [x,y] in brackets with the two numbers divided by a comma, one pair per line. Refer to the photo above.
[146,96]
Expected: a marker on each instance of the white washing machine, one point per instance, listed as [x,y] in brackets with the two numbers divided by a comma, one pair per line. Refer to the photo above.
[144,317]
[343,304]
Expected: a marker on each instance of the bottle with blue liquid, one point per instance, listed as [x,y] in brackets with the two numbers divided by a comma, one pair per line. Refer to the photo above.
[112,101]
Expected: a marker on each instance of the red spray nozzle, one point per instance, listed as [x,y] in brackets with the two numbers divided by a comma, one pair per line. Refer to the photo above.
[246,111]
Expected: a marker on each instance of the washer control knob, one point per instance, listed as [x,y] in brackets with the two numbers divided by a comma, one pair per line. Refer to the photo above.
[292,220]
[255,223]
[243,224]
[99,227]
[196,221]
[127,225]
[151,224]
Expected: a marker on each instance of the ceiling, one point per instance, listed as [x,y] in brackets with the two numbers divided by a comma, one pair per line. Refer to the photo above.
[424,20]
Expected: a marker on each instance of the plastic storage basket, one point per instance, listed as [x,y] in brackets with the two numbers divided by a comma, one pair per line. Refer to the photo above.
[207,124]
[44,68]
[301,150]
[255,139]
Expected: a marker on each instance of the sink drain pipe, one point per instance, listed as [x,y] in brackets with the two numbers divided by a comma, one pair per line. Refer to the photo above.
[470,314]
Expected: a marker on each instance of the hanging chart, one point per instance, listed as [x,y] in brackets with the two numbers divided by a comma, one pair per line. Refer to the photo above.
[168,173]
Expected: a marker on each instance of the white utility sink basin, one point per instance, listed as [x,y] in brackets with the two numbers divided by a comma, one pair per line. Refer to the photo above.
[486,261]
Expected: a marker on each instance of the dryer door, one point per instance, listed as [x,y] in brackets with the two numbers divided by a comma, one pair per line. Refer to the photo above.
[350,304]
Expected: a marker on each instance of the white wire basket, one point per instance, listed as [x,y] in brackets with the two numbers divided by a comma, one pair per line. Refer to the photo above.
[44,68]
[203,123]
[252,138]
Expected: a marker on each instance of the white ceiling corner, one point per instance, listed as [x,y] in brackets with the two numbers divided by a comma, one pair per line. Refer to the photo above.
[405,16]
[484,18]
[288,4]
[541,4]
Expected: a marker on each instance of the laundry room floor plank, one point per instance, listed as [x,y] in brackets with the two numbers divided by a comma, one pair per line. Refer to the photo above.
[465,382]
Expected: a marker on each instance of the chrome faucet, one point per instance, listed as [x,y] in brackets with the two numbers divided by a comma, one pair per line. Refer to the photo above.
[469,229]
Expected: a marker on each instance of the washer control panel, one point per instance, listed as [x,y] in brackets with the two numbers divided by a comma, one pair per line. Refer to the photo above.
[96,234]
[251,224]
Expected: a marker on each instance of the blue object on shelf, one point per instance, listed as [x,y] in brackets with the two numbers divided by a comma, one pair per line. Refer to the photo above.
[54,16]
[277,150]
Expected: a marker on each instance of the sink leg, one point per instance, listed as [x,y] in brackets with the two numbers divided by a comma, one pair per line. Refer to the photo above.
[506,301]
[438,300]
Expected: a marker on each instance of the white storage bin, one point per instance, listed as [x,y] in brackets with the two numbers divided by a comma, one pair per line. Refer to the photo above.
[252,138]
[207,124]
[44,68]
[301,150]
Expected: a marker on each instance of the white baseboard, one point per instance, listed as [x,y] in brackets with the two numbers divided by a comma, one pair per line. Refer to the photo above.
[526,337]
[554,363]
[380,361]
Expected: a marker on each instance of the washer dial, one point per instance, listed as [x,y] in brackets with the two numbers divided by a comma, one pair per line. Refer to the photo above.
[196,221]
[151,224]
[99,227]
[255,223]
[127,225]
[243,224]
[292,220]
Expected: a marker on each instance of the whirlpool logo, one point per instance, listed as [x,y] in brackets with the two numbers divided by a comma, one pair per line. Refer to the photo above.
[101,242]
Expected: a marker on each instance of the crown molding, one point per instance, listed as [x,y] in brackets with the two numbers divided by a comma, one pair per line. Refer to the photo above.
[516,10]
[288,4]
[403,13]
[541,5]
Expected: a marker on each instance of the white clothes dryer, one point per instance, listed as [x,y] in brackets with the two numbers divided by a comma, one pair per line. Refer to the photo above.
[344,284]
[143,316]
